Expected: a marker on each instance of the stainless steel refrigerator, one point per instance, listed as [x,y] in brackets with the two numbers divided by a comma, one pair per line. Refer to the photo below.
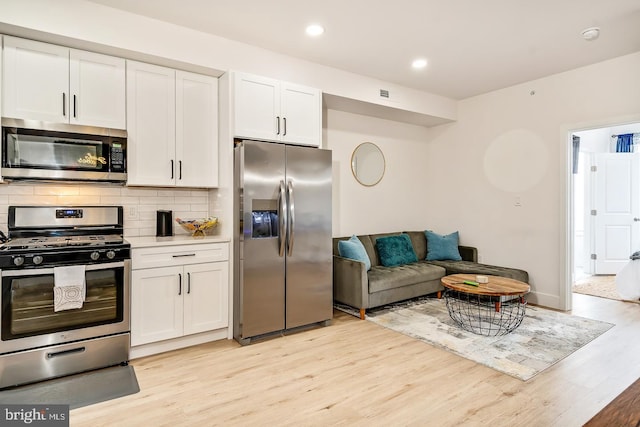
[283,249]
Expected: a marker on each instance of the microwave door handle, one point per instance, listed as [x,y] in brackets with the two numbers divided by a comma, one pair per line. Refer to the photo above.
[292,219]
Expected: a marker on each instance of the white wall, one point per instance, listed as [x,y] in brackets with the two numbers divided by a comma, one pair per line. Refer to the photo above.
[595,140]
[401,200]
[509,145]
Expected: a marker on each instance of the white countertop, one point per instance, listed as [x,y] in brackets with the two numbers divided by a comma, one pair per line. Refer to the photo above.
[181,239]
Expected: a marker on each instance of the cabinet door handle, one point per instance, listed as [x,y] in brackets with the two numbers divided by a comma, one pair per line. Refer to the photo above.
[188,283]
[74,107]
[64,104]
[179,284]
[180,167]
[278,125]
[284,120]
[171,169]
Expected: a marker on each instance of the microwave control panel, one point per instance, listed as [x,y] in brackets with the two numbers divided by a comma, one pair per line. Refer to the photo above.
[117,156]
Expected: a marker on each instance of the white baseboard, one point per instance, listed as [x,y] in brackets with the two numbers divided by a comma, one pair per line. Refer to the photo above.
[544,300]
[176,343]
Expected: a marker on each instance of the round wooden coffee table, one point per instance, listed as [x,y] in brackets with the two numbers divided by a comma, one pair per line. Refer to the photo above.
[493,308]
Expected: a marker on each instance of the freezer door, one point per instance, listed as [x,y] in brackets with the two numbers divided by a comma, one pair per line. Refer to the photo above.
[309,295]
[261,281]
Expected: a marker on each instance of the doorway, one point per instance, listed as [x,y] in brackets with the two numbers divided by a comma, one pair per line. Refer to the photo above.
[605,213]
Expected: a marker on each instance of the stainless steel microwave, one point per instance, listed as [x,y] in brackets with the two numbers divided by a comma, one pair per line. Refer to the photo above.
[34,150]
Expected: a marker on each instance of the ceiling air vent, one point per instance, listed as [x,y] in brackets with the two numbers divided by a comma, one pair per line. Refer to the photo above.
[384,93]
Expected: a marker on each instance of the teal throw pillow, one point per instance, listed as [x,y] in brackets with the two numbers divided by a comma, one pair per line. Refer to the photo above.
[395,250]
[441,248]
[354,249]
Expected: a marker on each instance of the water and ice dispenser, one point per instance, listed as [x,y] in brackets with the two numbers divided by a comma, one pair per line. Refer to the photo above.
[264,219]
[264,224]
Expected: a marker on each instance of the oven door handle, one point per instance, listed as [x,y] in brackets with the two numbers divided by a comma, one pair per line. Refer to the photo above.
[43,271]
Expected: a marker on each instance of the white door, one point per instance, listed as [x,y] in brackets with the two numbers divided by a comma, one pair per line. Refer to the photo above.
[36,81]
[617,205]
[301,109]
[205,299]
[97,90]
[196,130]
[156,304]
[151,125]
[257,108]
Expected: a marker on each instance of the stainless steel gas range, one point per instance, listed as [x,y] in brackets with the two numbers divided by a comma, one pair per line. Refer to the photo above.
[56,256]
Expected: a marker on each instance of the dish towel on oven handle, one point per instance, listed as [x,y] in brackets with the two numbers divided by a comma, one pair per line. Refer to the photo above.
[69,287]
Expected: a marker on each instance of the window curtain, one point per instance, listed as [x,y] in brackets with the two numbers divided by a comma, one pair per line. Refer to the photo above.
[625,143]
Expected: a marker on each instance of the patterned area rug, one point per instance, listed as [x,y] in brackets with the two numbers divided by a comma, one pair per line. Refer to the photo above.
[600,286]
[544,338]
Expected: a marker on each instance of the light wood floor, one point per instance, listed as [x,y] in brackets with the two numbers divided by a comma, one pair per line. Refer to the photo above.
[357,373]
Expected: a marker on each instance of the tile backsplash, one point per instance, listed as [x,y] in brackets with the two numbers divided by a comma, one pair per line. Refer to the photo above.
[140,203]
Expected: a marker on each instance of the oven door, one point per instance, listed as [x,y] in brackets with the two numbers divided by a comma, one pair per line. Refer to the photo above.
[28,318]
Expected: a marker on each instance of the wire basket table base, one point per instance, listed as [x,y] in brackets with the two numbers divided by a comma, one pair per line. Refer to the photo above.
[483,314]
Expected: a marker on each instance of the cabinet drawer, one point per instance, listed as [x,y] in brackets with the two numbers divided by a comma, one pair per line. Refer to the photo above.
[165,256]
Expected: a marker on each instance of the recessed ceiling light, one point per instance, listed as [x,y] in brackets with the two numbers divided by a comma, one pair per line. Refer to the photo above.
[419,63]
[314,30]
[591,34]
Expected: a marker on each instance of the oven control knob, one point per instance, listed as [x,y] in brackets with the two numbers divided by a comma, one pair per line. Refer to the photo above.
[37,259]
[95,255]
[111,254]
[18,261]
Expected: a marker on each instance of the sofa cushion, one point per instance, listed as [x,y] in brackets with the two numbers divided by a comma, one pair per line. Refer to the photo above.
[419,243]
[467,267]
[395,250]
[375,259]
[354,249]
[384,278]
[441,247]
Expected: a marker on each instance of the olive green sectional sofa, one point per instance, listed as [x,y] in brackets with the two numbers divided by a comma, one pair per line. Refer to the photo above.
[354,286]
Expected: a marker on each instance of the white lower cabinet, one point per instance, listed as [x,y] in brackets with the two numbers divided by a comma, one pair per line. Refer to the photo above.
[182,290]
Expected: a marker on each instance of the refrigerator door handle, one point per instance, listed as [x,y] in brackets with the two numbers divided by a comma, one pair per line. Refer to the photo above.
[292,220]
[282,218]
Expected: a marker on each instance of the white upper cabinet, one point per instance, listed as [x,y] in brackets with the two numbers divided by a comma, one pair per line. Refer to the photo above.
[301,109]
[172,119]
[97,87]
[257,107]
[272,110]
[196,130]
[151,110]
[52,83]
[36,81]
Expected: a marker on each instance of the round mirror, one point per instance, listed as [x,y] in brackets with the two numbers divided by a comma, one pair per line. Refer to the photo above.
[367,164]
